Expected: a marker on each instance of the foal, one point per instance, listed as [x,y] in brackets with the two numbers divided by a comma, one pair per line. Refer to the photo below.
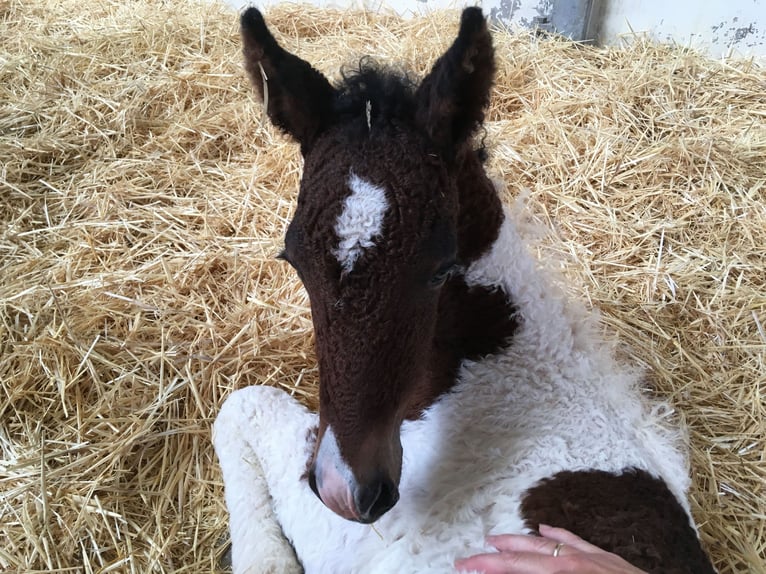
[460,395]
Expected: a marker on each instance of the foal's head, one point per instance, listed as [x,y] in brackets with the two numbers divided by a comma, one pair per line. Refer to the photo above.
[375,235]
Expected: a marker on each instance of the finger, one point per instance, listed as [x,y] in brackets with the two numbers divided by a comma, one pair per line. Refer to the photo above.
[508,563]
[522,543]
[568,538]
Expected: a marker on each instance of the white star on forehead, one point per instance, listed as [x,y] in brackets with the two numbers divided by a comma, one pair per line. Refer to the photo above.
[360,222]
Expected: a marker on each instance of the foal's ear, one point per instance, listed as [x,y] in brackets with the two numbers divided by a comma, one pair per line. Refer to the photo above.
[452,98]
[298,98]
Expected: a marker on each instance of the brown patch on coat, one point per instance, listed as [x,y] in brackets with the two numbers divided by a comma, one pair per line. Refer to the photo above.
[473,322]
[632,514]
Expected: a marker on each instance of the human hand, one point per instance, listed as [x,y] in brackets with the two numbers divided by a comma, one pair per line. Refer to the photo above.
[555,551]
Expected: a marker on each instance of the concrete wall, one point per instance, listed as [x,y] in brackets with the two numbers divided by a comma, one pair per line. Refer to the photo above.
[720,27]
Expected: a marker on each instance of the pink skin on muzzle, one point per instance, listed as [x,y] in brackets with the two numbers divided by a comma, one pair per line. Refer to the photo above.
[335,482]
[337,485]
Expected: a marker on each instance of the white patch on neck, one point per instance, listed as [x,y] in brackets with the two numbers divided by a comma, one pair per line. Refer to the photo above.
[360,222]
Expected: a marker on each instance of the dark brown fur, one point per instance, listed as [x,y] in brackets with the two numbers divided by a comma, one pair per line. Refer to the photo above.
[480,211]
[632,514]
[473,323]
[289,80]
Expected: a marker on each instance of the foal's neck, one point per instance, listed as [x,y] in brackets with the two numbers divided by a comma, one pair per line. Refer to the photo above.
[475,321]
[480,212]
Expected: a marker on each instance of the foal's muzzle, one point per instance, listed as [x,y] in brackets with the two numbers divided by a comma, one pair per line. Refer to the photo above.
[362,503]
[364,493]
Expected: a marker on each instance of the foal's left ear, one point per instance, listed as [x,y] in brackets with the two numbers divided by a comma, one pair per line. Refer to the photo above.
[452,97]
[298,98]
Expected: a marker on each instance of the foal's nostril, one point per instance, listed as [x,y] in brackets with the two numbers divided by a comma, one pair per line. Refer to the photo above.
[313,482]
[375,499]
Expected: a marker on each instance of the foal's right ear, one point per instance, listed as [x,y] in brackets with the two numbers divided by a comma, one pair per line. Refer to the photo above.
[298,98]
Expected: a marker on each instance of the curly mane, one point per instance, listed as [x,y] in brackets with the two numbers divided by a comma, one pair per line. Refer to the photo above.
[389,93]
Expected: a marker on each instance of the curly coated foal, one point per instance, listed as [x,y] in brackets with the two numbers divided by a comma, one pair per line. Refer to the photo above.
[460,394]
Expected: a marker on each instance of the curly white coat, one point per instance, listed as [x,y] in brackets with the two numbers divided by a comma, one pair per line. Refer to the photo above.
[555,399]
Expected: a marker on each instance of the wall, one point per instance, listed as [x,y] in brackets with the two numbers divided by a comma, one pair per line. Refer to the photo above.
[719,27]
[734,26]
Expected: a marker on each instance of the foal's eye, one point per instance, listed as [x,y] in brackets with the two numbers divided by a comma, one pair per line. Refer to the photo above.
[442,274]
[282,256]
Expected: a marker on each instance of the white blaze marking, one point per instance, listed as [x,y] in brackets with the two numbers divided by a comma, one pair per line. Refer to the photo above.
[330,458]
[360,222]
[335,479]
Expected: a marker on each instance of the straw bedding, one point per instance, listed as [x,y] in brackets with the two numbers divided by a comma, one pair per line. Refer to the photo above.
[142,200]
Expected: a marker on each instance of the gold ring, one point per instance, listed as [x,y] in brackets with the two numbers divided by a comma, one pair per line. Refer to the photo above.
[558,548]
